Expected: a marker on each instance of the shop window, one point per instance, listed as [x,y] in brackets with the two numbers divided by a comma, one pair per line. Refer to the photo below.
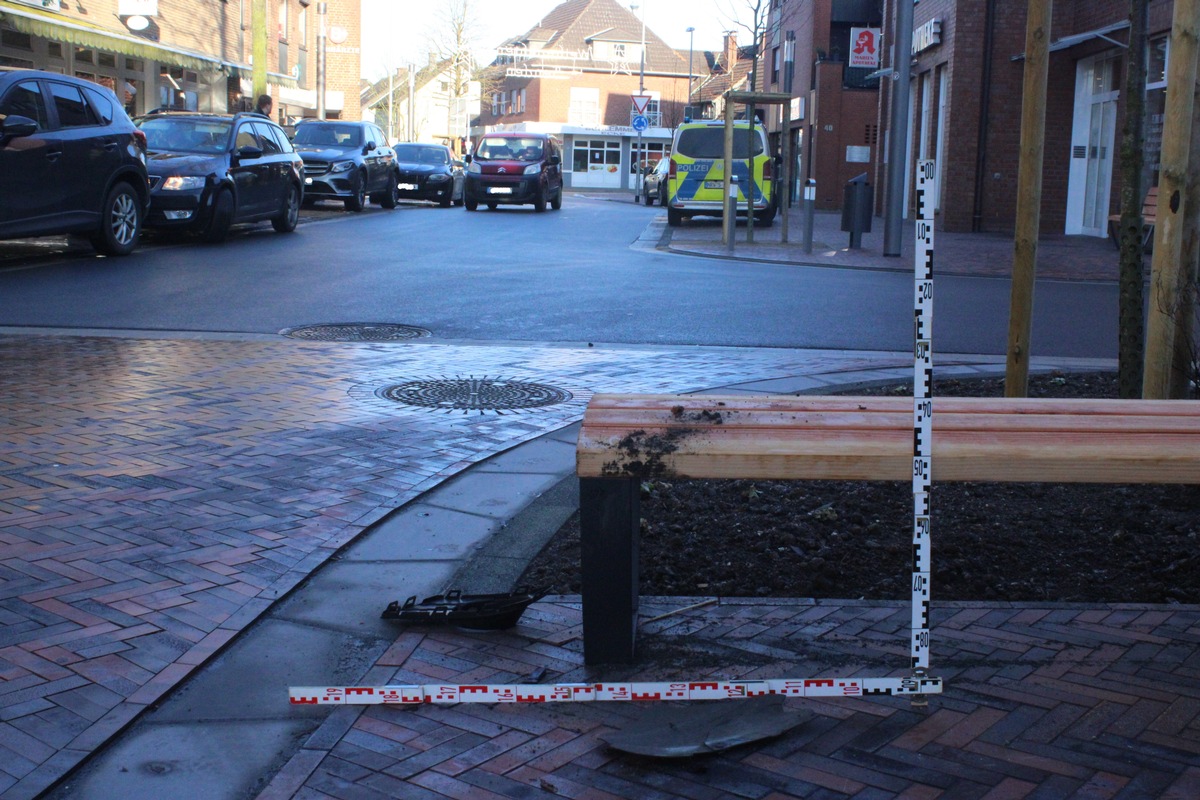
[106,60]
[84,55]
[19,63]
[54,49]
[15,39]
[134,65]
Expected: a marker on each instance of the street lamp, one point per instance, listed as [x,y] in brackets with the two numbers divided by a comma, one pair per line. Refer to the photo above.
[691,32]
[641,90]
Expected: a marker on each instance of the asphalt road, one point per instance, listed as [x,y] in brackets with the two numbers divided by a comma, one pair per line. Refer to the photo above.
[511,274]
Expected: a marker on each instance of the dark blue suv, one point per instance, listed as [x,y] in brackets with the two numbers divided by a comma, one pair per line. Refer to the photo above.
[71,161]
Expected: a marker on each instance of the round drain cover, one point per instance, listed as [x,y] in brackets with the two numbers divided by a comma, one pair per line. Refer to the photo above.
[357,332]
[475,394]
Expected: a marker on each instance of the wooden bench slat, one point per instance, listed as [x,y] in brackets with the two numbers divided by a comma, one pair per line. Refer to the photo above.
[789,438]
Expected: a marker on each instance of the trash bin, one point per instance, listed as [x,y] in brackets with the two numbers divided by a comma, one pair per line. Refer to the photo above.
[858,204]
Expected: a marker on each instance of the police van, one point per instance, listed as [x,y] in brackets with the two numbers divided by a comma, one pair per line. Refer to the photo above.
[696,178]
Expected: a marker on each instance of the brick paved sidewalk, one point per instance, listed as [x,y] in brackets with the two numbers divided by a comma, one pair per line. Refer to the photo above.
[157,496]
[1051,701]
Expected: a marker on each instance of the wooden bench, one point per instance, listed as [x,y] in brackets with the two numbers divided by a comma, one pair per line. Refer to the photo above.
[1149,217]
[626,439]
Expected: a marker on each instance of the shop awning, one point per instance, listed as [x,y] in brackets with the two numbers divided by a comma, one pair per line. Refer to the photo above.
[1087,36]
[84,34]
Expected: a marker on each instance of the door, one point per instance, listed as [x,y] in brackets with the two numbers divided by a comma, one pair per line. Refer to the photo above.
[91,154]
[1093,139]
[28,162]
[250,175]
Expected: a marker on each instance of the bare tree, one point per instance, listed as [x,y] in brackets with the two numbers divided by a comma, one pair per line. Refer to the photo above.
[751,16]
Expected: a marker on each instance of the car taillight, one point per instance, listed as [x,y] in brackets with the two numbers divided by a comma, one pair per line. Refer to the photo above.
[768,170]
[671,168]
[139,136]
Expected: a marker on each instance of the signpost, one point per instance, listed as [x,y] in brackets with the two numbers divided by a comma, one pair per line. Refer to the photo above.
[640,103]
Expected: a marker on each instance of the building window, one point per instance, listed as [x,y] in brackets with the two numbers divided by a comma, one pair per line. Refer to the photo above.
[516,105]
[302,26]
[584,110]
[283,20]
[16,40]
[775,65]
[495,104]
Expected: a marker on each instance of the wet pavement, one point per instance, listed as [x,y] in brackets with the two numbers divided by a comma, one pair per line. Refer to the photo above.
[189,526]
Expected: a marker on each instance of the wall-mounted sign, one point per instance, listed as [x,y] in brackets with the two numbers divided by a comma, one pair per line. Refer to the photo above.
[137,8]
[927,36]
[45,5]
[864,47]
[858,154]
[338,34]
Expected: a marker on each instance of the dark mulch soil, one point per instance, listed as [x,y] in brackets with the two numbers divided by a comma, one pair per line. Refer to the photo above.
[840,539]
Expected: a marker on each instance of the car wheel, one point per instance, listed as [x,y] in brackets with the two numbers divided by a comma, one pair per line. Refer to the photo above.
[491,206]
[222,218]
[556,201]
[445,201]
[359,201]
[391,198]
[120,222]
[470,203]
[539,200]
[458,201]
[290,215]
[647,199]
[674,218]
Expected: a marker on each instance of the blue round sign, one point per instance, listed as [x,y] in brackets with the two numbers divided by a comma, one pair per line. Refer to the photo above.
[640,123]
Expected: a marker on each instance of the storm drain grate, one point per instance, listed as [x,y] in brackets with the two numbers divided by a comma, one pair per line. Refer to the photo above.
[475,394]
[357,332]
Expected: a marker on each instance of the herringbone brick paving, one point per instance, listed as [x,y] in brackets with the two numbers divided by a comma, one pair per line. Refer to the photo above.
[1050,701]
[156,495]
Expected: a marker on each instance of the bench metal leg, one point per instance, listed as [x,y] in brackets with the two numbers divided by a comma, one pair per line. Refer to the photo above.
[609,521]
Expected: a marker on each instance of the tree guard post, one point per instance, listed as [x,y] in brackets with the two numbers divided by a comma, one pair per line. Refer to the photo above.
[609,527]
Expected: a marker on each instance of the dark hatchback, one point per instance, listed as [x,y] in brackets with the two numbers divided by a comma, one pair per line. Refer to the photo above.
[348,161]
[210,171]
[71,161]
[429,172]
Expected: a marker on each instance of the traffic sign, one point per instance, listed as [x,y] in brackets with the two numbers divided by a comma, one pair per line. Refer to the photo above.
[641,102]
[640,123]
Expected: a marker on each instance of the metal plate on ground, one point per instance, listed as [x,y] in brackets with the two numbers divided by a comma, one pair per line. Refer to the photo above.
[475,394]
[356,332]
[678,730]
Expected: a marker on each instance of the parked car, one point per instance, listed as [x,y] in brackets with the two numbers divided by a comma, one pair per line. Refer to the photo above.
[348,161]
[654,183]
[71,161]
[515,168]
[696,180]
[430,172]
[211,171]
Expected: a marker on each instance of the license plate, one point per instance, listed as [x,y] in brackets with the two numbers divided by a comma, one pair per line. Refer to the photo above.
[406,187]
[714,184]
[499,190]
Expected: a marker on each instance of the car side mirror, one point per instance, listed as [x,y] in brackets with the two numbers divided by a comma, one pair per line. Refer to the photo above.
[368,148]
[249,151]
[467,159]
[555,161]
[15,127]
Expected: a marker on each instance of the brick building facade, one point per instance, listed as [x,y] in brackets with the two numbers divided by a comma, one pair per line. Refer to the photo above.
[191,54]
[965,105]
[573,75]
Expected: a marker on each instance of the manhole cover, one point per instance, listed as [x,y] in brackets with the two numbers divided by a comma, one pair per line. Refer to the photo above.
[475,394]
[357,332]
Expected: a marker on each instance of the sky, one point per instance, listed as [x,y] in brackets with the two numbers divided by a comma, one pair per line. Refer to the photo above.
[398,32]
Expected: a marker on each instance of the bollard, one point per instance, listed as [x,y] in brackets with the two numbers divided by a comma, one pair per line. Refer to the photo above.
[810,203]
[857,209]
[729,224]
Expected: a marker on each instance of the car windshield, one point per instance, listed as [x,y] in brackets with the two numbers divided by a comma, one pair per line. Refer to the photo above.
[328,135]
[709,142]
[176,135]
[509,149]
[421,154]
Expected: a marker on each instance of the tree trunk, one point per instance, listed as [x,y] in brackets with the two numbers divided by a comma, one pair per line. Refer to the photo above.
[1168,275]
[1131,314]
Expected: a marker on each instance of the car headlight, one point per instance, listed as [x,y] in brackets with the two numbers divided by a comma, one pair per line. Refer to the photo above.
[342,166]
[533,169]
[474,168]
[438,178]
[177,183]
